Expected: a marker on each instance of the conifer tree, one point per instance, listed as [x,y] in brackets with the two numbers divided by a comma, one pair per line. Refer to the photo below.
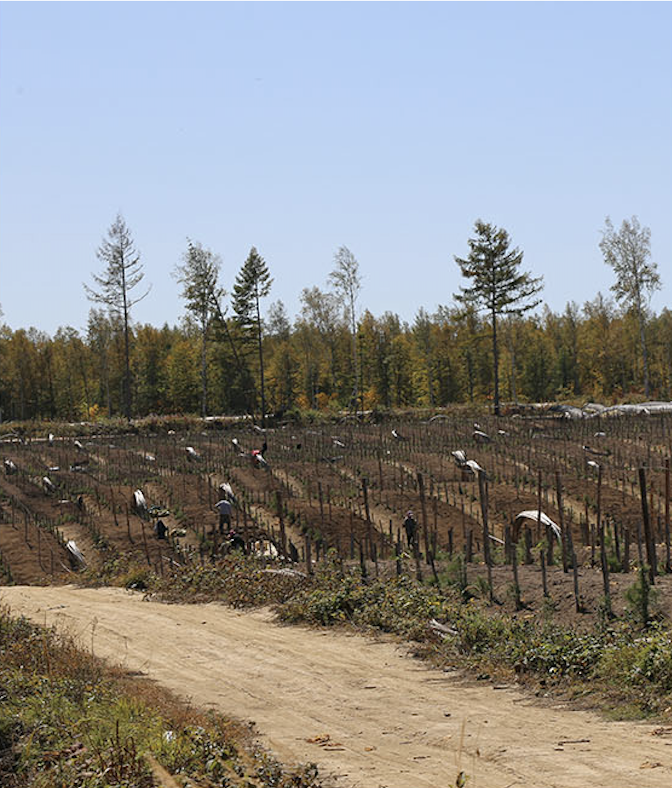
[252,284]
[122,274]
[198,276]
[498,287]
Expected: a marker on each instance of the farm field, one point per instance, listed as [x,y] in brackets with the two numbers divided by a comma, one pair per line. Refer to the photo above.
[336,495]
[346,487]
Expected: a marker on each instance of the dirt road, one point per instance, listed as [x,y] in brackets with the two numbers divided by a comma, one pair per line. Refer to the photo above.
[364,711]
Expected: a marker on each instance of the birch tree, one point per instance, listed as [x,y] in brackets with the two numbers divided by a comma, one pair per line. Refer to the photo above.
[627,252]
[347,284]
[198,275]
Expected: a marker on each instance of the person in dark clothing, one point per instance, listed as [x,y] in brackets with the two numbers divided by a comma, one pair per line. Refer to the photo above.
[236,541]
[411,528]
[160,529]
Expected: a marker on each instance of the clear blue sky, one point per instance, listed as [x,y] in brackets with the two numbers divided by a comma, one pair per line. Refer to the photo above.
[387,127]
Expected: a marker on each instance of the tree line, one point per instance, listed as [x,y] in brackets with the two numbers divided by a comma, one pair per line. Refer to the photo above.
[227,356]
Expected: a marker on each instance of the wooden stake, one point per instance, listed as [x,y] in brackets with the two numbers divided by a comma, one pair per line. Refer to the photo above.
[423,509]
[563,535]
[668,560]
[648,536]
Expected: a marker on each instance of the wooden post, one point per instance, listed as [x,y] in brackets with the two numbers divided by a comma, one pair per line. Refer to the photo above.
[563,535]
[144,541]
[539,506]
[577,596]
[544,582]
[626,550]
[114,508]
[605,572]
[434,572]
[281,519]
[309,563]
[528,546]
[599,502]
[483,494]
[648,536]
[128,526]
[366,509]
[668,560]
[423,509]
[508,545]
[516,584]
[468,547]
[416,556]
[550,538]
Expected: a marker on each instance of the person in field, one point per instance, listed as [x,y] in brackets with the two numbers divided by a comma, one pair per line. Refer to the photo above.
[411,528]
[224,509]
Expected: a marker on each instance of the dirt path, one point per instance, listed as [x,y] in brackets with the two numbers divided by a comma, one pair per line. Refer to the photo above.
[376,717]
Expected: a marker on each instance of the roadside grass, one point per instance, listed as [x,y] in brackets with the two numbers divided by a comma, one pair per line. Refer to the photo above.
[68,721]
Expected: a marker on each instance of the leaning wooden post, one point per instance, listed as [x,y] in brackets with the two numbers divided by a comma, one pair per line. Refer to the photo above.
[423,509]
[648,536]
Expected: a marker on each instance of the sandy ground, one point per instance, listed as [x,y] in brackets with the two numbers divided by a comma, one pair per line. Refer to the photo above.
[368,714]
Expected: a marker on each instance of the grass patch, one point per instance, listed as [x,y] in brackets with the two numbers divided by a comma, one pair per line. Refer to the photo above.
[68,721]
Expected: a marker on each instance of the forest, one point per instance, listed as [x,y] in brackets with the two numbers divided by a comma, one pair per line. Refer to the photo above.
[224,357]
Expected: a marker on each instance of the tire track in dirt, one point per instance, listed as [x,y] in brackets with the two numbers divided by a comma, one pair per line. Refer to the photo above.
[369,715]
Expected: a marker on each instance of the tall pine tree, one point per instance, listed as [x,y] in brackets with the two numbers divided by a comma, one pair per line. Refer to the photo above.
[498,286]
[252,284]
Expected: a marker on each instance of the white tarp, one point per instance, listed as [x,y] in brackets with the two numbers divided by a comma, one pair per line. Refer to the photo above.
[533,514]
[74,551]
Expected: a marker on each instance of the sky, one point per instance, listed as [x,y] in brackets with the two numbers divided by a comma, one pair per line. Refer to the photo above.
[297,128]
